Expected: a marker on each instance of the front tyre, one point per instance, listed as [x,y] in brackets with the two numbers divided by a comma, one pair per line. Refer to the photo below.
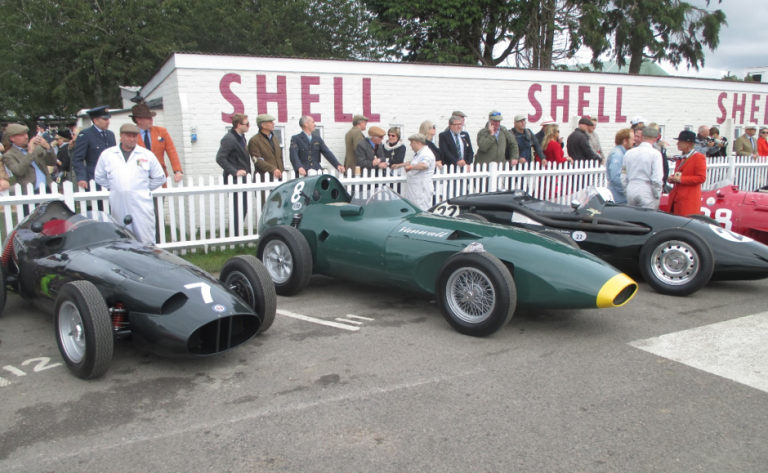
[247,277]
[676,262]
[83,330]
[287,257]
[476,293]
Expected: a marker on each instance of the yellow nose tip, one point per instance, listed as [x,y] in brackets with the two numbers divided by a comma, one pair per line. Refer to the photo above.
[616,292]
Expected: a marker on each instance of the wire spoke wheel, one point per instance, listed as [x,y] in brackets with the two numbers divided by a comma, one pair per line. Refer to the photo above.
[471,295]
[675,262]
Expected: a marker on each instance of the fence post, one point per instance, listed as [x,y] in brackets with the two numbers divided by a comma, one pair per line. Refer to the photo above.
[493,185]
[732,168]
[69,194]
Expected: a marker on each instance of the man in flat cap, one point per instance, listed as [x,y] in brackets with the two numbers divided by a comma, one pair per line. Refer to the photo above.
[156,139]
[642,175]
[578,143]
[353,138]
[369,153]
[690,174]
[91,142]
[746,144]
[234,159]
[462,117]
[306,149]
[527,142]
[28,160]
[419,172]
[131,173]
[495,143]
[265,149]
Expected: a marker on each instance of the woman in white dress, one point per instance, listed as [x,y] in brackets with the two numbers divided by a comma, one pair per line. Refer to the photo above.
[418,187]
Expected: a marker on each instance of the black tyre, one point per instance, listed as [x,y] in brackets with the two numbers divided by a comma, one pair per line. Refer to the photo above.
[247,277]
[705,219]
[676,262]
[471,216]
[476,293]
[287,257]
[562,237]
[83,330]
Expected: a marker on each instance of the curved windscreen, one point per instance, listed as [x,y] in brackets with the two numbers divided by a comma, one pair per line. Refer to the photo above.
[375,195]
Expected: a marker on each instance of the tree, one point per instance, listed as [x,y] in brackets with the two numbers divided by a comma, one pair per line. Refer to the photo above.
[59,56]
[648,29]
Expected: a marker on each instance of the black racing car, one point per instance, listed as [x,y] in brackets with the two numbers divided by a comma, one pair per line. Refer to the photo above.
[675,255]
[101,285]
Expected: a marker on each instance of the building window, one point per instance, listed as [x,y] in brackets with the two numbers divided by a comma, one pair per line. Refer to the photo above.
[319,132]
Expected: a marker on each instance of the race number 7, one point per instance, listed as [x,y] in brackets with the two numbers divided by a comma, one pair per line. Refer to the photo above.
[205,290]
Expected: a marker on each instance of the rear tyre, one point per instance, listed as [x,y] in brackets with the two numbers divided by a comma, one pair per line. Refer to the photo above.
[676,262]
[476,293]
[83,330]
[471,216]
[247,277]
[287,257]
[561,237]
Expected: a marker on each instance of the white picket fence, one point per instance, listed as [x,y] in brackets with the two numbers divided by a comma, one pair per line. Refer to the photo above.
[196,212]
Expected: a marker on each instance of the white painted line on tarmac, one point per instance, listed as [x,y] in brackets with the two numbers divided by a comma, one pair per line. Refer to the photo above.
[356,322]
[4,382]
[317,321]
[353,316]
[736,349]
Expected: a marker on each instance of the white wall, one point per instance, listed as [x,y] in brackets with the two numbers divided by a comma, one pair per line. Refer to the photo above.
[407,94]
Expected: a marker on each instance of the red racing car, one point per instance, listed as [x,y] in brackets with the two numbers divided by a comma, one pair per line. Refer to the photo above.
[742,212]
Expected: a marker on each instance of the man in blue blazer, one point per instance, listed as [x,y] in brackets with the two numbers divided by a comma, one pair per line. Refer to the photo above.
[455,145]
[90,144]
[306,149]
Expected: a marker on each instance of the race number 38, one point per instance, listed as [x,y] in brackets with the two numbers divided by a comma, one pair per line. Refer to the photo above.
[722,216]
[297,192]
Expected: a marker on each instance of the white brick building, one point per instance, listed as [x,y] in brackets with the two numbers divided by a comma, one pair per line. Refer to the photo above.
[200,92]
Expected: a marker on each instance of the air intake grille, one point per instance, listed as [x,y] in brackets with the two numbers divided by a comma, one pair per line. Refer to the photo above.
[223,334]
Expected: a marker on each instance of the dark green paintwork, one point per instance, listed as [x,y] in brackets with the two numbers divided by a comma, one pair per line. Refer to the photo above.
[393,242]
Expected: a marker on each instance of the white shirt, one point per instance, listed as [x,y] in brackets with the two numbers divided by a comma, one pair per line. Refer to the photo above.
[643,165]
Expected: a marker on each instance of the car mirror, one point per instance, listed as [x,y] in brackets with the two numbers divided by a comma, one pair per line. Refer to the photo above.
[351,211]
[127,220]
[37,227]
[575,204]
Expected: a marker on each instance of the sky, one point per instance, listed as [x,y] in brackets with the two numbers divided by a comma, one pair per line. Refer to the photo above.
[743,42]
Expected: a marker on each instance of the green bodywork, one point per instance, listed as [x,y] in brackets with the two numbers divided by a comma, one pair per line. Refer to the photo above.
[393,242]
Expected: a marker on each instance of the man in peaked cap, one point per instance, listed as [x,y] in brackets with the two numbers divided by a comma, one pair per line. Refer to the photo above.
[27,159]
[156,139]
[353,138]
[91,142]
[131,173]
[578,142]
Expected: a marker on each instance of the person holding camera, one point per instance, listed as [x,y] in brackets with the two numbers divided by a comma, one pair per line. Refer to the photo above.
[707,145]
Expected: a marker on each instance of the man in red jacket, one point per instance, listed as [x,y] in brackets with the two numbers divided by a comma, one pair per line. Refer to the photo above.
[690,174]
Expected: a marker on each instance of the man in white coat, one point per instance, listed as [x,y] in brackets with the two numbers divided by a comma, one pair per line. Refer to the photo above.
[418,187]
[131,173]
[642,173]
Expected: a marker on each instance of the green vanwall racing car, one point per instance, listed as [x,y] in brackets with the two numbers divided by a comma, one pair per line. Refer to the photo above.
[480,272]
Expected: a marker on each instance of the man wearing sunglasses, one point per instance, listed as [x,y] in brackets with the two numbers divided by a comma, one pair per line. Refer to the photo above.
[762,142]
[233,157]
